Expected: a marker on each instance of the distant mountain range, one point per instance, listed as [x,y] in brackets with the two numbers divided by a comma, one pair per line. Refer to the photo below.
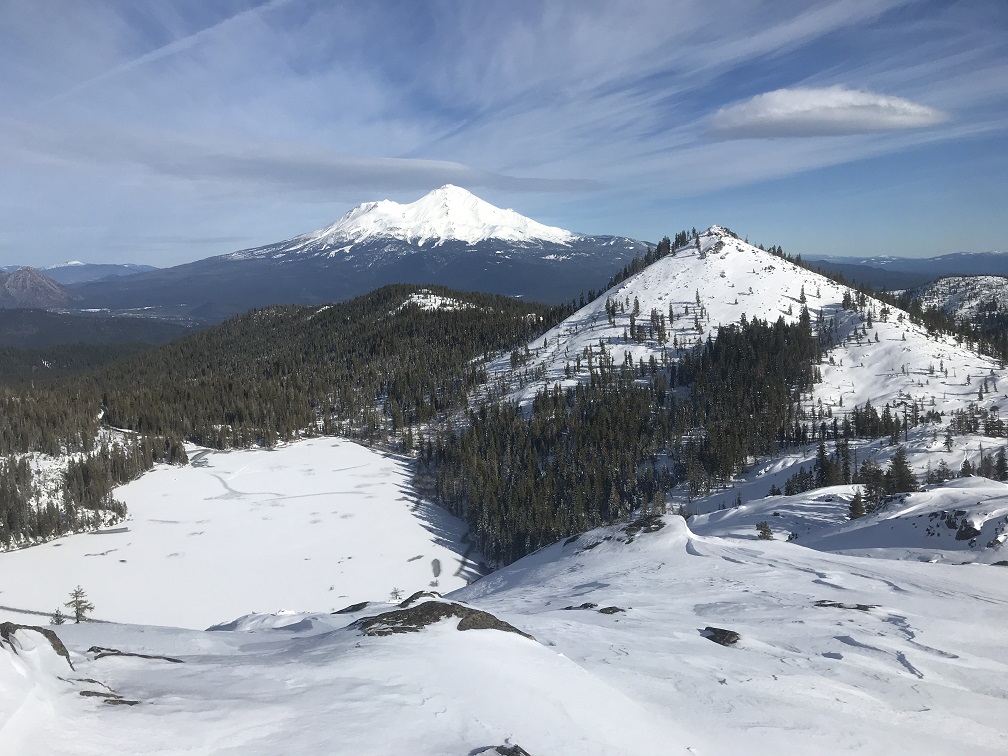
[908,272]
[81,272]
[75,272]
[448,237]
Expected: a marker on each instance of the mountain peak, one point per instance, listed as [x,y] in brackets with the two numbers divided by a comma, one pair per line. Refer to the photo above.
[29,287]
[448,213]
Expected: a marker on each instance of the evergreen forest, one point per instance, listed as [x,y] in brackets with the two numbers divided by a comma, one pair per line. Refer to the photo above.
[373,368]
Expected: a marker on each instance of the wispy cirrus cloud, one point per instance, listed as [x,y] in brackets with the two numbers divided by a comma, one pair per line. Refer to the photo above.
[273,116]
[813,112]
[254,166]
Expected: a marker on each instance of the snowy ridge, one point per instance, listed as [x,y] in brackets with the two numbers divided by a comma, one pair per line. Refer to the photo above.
[964,297]
[835,654]
[878,354]
[449,213]
[428,301]
[67,264]
[886,360]
[962,521]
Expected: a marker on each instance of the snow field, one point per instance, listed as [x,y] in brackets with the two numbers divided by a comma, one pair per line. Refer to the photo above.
[315,525]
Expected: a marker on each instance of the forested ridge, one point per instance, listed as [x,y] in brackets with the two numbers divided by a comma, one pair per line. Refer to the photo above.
[82,498]
[376,366]
[596,452]
[48,364]
[392,366]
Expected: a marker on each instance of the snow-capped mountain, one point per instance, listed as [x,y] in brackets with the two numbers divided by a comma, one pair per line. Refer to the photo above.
[444,215]
[29,287]
[965,297]
[448,237]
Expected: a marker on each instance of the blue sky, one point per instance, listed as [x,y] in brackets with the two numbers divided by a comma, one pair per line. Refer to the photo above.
[162,132]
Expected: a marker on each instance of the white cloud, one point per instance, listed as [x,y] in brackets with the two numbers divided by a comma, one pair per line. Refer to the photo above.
[830,111]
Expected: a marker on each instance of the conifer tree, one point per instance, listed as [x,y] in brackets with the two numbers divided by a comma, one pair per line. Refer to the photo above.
[1001,465]
[79,604]
[899,477]
[857,508]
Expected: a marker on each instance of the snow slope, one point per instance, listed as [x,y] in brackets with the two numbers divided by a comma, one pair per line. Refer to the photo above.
[315,525]
[428,301]
[733,280]
[889,361]
[838,651]
[962,521]
[964,296]
[919,668]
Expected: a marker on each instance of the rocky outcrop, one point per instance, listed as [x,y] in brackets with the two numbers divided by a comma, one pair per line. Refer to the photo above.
[414,618]
[838,605]
[417,596]
[8,629]
[101,652]
[352,609]
[720,635]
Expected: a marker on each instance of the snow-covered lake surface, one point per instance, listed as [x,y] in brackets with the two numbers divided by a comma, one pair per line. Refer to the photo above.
[311,526]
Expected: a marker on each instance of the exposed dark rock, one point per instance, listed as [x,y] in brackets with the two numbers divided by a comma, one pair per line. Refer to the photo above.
[720,635]
[839,605]
[511,750]
[610,610]
[1002,563]
[110,696]
[353,608]
[419,595]
[501,750]
[586,605]
[415,618]
[101,652]
[7,629]
[966,531]
[225,626]
[571,540]
[651,523]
